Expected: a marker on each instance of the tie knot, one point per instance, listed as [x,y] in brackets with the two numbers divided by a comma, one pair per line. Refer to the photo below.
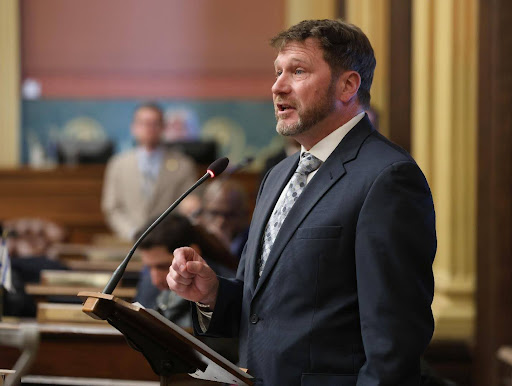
[308,163]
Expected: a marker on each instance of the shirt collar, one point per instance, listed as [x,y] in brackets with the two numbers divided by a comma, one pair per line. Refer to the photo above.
[142,152]
[149,161]
[323,149]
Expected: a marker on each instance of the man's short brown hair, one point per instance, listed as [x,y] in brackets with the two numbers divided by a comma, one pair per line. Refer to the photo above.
[345,47]
[151,106]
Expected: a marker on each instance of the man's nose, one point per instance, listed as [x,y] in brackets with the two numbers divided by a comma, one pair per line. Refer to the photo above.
[281,85]
[155,278]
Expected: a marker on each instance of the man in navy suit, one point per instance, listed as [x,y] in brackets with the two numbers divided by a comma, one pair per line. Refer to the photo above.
[335,283]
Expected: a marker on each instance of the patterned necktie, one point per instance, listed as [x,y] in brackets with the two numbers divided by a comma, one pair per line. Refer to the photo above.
[149,176]
[307,164]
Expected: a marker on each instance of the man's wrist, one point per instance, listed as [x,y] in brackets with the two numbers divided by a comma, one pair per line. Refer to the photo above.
[208,303]
[204,307]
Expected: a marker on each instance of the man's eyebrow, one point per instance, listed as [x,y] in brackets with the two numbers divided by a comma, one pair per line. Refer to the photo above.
[293,61]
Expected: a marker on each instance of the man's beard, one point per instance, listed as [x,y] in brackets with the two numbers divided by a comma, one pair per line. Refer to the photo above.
[311,116]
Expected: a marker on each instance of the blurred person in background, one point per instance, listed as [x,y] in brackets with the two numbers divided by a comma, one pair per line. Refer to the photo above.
[143,182]
[290,147]
[181,125]
[30,243]
[156,252]
[225,213]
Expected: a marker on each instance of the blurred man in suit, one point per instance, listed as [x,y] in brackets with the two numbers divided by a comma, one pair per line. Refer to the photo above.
[141,183]
[335,283]
[156,254]
[224,213]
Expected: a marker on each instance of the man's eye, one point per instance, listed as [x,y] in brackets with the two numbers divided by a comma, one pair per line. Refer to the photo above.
[299,71]
[278,73]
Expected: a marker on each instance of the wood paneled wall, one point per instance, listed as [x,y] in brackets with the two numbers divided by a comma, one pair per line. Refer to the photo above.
[400,73]
[494,254]
[69,196]
[155,48]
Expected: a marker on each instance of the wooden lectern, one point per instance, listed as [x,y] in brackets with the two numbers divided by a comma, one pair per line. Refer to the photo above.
[168,348]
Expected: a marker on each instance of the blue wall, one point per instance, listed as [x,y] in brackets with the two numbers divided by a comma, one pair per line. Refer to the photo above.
[242,128]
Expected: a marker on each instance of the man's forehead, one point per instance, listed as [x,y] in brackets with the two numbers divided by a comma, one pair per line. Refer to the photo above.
[221,201]
[300,51]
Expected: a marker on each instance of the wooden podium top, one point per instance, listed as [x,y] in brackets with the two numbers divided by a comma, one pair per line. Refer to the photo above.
[168,348]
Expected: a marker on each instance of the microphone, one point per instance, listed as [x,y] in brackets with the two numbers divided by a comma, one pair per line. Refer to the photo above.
[216,168]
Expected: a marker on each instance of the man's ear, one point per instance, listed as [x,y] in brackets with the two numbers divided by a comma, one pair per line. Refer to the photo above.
[348,85]
[196,248]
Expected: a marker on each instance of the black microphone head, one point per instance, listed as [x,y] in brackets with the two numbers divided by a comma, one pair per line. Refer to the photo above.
[218,166]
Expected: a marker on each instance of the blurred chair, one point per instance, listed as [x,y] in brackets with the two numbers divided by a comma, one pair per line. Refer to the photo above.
[25,338]
[71,152]
[203,152]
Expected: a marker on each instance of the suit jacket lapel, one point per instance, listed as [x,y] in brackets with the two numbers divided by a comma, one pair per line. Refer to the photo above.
[329,173]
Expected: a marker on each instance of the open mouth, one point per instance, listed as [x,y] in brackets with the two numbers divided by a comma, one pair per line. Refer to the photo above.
[283,107]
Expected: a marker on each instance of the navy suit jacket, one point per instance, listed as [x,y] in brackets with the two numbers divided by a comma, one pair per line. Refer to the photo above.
[345,296]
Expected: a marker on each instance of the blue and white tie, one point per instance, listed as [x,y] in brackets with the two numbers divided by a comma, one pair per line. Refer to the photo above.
[307,164]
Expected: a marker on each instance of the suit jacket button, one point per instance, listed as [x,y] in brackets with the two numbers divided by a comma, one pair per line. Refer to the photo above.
[254,319]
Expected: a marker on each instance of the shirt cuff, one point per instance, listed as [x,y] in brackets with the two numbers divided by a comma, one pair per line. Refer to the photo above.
[204,318]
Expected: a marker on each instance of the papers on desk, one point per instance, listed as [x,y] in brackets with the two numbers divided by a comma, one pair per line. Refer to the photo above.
[137,304]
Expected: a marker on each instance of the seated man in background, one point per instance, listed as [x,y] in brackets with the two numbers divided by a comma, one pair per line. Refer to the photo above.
[30,243]
[225,213]
[141,183]
[156,253]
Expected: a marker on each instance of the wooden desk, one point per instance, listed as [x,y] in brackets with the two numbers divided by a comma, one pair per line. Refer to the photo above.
[43,291]
[3,374]
[130,277]
[94,252]
[86,351]
[71,196]
[38,380]
[50,277]
[101,259]
[87,257]
[102,266]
